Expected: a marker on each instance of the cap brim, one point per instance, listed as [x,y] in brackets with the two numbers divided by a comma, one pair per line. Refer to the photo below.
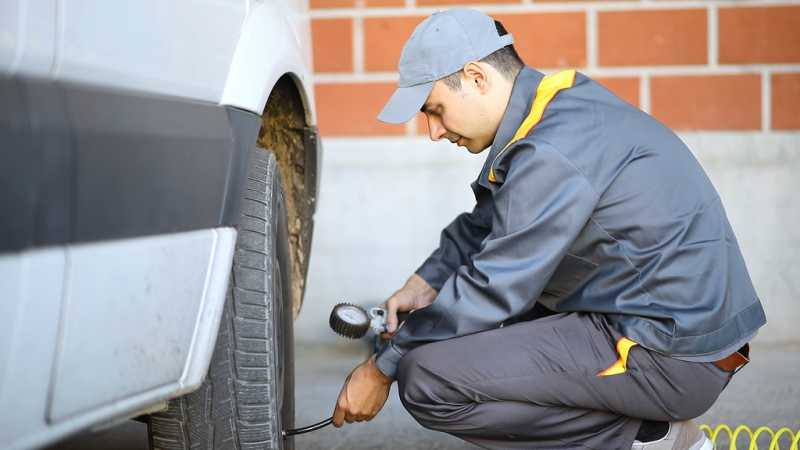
[405,103]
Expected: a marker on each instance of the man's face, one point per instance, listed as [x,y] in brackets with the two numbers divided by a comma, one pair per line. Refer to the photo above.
[463,117]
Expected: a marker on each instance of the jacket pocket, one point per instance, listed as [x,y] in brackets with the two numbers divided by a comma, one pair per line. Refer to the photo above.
[570,274]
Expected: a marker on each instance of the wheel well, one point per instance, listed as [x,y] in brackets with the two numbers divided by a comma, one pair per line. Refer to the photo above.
[285,131]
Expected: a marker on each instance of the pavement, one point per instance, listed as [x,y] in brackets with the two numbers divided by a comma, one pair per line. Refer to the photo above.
[767,393]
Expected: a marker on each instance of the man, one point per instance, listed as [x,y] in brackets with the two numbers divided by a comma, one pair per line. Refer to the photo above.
[595,297]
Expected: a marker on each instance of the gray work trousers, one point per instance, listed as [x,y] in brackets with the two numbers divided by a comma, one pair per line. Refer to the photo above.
[535,385]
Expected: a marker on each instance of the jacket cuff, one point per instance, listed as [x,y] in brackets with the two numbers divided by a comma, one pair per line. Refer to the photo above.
[388,360]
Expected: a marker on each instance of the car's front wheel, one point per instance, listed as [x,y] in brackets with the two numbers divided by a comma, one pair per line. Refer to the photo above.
[247,397]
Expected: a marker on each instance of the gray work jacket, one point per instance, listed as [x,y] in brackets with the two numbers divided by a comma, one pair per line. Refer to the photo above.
[598,208]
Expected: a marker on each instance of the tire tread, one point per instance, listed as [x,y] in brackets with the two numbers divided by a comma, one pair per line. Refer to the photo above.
[236,407]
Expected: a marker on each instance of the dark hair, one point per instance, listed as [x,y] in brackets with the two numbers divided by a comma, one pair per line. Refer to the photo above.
[506,60]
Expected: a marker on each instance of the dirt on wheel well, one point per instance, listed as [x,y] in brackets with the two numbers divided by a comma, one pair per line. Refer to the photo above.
[283,126]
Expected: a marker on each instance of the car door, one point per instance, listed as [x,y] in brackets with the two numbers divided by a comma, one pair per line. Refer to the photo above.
[172,48]
[141,82]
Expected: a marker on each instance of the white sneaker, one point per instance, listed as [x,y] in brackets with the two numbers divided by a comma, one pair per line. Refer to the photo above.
[680,436]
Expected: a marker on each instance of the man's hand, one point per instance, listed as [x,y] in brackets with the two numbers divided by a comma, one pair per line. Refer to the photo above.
[364,392]
[415,294]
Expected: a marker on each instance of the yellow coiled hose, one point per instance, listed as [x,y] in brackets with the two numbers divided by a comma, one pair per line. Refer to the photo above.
[783,435]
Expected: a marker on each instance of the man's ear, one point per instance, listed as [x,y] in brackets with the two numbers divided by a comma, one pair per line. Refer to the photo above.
[477,75]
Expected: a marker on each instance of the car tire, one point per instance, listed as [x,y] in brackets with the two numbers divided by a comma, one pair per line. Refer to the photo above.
[247,397]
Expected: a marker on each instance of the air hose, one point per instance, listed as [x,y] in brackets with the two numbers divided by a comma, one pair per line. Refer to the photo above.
[316,426]
[733,435]
[353,322]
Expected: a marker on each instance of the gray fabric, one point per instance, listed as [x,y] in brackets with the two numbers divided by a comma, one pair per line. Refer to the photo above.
[602,209]
[534,385]
[727,351]
[439,46]
[405,103]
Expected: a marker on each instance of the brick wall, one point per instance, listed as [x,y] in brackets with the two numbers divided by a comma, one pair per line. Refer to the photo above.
[695,65]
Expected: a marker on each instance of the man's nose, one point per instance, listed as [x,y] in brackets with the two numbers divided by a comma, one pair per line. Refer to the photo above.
[435,128]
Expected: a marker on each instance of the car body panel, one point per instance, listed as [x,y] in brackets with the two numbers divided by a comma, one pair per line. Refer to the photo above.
[108,289]
[28,334]
[274,42]
[124,127]
[173,48]
[27,48]
[90,164]
[118,351]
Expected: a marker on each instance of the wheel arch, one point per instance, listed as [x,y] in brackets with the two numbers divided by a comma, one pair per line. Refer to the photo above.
[270,76]
[270,47]
[296,146]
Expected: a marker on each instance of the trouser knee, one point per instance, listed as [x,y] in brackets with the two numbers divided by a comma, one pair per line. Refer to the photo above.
[414,382]
[424,392]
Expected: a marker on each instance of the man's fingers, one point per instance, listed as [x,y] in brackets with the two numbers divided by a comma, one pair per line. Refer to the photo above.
[340,410]
[338,417]
[352,417]
[386,336]
[391,316]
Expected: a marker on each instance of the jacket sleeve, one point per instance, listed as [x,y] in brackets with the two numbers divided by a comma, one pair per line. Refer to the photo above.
[458,242]
[538,211]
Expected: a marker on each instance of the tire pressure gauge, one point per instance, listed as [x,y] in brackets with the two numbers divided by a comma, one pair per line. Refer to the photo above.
[353,321]
[350,321]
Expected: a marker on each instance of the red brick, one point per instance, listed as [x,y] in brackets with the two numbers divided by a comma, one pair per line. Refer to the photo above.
[462,2]
[543,40]
[351,109]
[422,125]
[548,39]
[322,4]
[657,37]
[580,1]
[626,88]
[383,41]
[333,45]
[759,35]
[716,102]
[786,101]
[385,3]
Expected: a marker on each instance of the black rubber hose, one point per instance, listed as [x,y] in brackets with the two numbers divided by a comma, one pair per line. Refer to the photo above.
[316,426]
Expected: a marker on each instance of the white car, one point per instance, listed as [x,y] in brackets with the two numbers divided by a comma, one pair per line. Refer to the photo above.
[158,177]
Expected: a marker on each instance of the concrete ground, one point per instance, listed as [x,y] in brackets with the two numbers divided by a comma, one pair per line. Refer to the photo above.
[766,393]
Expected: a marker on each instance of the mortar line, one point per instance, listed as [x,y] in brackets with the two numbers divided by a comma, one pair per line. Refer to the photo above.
[783,134]
[713,36]
[766,100]
[411,127]
[633,71]
[358,45]
[644,92]
[591,38]
[522,7]
[376,77]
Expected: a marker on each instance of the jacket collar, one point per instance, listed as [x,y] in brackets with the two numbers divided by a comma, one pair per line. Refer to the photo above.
[519,105]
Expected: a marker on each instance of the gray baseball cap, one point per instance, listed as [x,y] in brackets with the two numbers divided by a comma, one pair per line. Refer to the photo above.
[441,45]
